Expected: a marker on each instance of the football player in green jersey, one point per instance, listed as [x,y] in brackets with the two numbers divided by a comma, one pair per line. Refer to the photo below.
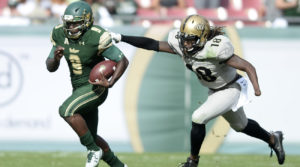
[83,45]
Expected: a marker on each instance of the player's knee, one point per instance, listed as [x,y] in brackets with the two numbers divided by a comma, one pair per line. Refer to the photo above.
[199,118]
[62,111]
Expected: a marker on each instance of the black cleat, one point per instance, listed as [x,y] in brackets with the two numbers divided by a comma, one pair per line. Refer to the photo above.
[190,163]
[278,147]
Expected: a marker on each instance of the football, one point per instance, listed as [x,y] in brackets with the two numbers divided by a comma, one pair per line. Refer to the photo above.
[107,68]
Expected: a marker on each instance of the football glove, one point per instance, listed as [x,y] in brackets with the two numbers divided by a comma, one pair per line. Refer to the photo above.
[115,37]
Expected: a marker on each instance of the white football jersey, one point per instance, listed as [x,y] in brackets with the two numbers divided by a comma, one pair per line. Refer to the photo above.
[209,63]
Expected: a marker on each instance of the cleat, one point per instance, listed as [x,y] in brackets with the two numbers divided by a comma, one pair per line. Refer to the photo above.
[93,158]
[278,147]
[189,163]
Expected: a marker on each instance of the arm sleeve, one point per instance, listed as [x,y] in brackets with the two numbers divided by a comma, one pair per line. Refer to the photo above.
[141,42]
[51,54]
[53,37]
[113,53]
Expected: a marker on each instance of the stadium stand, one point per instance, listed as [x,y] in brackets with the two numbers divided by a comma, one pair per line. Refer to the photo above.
[228,12]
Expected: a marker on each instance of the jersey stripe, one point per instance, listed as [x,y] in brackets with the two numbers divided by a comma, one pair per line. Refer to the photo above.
[71,108]
[104,42]
[86,101]
[51,39]
[186,21]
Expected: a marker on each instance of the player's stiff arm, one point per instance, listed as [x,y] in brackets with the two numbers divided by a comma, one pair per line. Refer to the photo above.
[208,53]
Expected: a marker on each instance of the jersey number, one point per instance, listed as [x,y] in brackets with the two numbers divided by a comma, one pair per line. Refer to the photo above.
[76,64]
[216,42]
[205,74]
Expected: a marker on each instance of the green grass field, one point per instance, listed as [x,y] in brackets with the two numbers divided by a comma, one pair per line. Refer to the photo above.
[67,159]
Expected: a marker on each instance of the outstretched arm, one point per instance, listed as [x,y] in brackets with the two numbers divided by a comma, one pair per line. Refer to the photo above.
[243,65]
[143,42]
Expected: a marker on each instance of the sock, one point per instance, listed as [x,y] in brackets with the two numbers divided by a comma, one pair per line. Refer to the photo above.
[88,141]
[112,160]
[253,129]
[197,136]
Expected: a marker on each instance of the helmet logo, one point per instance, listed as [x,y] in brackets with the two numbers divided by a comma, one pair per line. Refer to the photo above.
[88,16]
[199,27]
[68,17]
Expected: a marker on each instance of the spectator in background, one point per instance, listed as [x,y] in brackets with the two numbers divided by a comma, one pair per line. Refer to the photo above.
[11,16]
[126,7]
[58,7]
[41,12]
[11,9]
[120,6]
[204,4]
[271,13]
[26,7]
[110,5]
[290,10]
[101,14]
[162,6]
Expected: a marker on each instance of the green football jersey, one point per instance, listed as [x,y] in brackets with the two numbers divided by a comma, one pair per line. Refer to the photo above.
[84,53]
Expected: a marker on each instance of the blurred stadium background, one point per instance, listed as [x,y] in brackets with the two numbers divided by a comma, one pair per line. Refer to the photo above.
[149,109]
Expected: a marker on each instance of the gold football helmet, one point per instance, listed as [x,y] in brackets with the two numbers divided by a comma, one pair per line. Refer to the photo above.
[193,28]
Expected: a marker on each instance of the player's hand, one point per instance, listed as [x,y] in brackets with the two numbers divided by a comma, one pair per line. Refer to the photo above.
[103,82]
[115,37]
[257,92]
[59,53]
[111,83]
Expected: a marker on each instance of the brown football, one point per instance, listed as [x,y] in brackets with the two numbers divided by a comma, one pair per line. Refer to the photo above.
[107,68]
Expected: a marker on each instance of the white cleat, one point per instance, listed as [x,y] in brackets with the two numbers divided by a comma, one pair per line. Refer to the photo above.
[93,158]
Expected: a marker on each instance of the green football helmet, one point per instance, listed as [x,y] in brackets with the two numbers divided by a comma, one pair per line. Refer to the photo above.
[80,14]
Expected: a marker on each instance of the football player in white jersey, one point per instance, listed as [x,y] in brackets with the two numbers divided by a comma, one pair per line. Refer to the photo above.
[210,55]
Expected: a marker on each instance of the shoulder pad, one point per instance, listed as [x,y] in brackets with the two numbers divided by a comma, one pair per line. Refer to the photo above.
[98,30]
[221,46]
[58,26]
[105,41]
[173,41]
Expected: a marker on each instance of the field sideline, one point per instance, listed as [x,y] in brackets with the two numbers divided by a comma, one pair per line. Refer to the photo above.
[77,159]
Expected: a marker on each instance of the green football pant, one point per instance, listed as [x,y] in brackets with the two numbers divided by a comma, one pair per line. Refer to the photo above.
[85,101]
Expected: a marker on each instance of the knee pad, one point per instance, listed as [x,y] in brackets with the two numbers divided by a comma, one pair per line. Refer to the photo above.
[238,127]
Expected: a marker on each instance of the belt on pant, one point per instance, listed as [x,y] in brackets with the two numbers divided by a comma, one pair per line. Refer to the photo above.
[228,84]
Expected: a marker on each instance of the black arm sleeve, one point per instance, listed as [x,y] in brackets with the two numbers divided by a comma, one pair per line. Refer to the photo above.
[141,42]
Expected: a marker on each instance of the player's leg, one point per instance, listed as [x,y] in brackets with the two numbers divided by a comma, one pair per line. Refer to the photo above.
[108,155]
[216,104]
[73,109]
[240,123]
